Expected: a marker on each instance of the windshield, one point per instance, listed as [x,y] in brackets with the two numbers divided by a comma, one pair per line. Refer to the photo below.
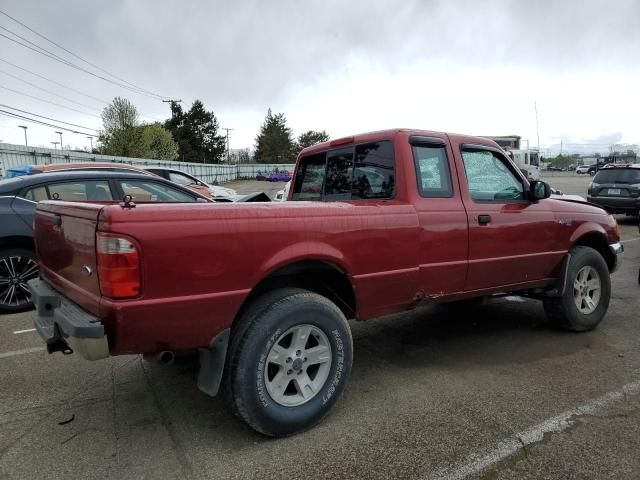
[618,175]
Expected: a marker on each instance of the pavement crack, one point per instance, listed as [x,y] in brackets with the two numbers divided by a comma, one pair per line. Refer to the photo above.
[166,423]
[524,449]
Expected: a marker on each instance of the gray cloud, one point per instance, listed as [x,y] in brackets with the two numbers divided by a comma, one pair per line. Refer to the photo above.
[254,53]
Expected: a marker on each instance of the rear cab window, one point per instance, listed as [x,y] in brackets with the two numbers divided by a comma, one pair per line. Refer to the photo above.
[361,172]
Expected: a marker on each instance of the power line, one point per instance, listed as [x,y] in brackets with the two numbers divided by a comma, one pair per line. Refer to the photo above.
[47,101]
[50,92]
[67,87]
[33,120]
[48,118]
[53,56]
[80,58]
[33,44]
[54,82]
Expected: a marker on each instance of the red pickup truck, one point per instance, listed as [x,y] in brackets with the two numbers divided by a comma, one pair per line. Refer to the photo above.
[375,224]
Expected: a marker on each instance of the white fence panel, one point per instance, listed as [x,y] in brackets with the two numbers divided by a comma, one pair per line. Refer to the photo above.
[12,156]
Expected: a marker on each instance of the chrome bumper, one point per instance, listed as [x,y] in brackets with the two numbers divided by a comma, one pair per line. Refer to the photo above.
[64,326]
[616,249]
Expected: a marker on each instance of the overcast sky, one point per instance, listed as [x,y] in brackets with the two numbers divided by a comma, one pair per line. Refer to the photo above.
[473,67]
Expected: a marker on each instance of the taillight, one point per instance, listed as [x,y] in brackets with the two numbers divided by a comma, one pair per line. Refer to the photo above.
[118,266]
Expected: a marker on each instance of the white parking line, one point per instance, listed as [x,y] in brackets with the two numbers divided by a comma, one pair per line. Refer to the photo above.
[630,240]
[507,447]
[21,352]
[17,332]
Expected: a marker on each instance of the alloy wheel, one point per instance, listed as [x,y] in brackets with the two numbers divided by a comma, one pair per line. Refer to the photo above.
[587,289]
[298,365]
[15,271]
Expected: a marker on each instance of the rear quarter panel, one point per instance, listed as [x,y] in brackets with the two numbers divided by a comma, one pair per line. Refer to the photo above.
[200,262]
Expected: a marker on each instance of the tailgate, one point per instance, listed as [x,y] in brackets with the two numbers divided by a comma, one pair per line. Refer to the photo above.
[65,236]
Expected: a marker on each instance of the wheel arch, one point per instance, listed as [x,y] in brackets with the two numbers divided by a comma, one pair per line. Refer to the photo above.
[319,275]
[17,241]
[598,241]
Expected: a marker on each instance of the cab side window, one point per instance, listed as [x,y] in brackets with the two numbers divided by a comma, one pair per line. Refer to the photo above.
[362,172]
[374,171]
[489,178]
[432,169]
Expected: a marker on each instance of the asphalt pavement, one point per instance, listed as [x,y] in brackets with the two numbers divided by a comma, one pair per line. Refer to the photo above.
[434,394]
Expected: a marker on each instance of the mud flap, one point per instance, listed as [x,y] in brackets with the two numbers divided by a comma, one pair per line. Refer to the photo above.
[212,361]
[560,284]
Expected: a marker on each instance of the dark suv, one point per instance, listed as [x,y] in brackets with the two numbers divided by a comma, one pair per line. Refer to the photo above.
[617,190]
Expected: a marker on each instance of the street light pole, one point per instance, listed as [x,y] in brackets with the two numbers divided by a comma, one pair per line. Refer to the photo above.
[55,145]
[60,133]
[24,127]
[227,130]
[91,140]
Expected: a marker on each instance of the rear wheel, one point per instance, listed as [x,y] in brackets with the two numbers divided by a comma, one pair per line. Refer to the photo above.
[587,292]
[288,362]
[17,266]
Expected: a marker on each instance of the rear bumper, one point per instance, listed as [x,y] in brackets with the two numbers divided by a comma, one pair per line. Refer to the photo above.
[617,205]
[64,326]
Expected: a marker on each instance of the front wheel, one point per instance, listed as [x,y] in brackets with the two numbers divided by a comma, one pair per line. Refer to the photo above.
[289,361]
[17,266]
[586,295]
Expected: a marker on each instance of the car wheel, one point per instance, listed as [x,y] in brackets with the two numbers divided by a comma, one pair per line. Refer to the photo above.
[592,173]
[17,266]
[586,295]
[288,361]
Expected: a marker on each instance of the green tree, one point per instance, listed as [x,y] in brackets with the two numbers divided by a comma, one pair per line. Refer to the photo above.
[274,143]
[142,141]
[311,137]
[158,142]
[196,133]
[118,115]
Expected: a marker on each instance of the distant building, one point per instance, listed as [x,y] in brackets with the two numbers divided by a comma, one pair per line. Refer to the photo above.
[509,142]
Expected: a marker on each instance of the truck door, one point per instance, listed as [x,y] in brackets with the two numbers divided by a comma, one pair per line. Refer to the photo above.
[443,237]
[510,237]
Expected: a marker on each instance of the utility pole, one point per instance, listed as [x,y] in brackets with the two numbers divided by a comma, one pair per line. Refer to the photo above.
[91,140]
[172,102]
[561,147]
[24,127]
[60,133]
[535,105]
[55,145]
[227,130]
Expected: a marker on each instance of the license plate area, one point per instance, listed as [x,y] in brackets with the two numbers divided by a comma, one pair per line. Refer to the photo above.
[613,191]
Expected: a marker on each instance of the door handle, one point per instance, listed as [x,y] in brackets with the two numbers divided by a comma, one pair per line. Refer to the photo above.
[484,219]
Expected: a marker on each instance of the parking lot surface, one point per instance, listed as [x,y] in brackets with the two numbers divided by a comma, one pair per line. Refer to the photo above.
[435,393]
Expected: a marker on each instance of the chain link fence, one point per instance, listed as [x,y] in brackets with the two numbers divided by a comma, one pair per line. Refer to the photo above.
[13,156]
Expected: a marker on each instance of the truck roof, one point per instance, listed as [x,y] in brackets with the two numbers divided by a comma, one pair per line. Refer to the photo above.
[391,134]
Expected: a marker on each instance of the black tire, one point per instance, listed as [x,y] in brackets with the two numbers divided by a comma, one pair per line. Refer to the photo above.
[562,311]
[260,327]
[14,261]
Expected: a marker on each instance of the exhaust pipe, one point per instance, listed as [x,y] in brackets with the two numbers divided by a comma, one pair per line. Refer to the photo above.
[165,357]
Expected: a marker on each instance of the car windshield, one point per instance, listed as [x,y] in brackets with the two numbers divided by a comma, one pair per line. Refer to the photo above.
[618,175]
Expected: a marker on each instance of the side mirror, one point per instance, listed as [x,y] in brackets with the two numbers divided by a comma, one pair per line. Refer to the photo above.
[539,190]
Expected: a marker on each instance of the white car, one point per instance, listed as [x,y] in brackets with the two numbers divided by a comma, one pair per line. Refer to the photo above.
[189,181]
[582,169]
[281,195]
